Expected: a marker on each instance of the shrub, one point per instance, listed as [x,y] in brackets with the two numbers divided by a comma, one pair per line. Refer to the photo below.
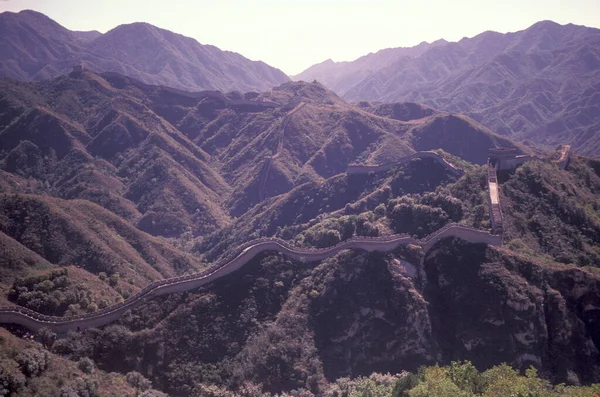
[153,393]
[137,380]
[33,361]
[11,378]
[51,293]
[114,279]
[47,337]
[86,388]
[86,365]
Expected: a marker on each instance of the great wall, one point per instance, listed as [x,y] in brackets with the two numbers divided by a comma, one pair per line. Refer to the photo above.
[242,254]
[285,124]
[355,169]
[504,159]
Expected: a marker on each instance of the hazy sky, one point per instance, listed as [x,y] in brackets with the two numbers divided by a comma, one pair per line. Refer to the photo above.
[294,34]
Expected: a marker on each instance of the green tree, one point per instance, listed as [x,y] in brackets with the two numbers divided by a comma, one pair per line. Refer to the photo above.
[113,280]
[86,365]
[47,337]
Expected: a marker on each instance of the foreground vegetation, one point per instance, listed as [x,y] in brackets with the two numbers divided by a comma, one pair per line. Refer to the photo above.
[459,379]
[27,369]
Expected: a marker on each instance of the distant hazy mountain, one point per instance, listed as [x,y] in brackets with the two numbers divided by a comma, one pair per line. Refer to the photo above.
[539,84]
[34,47]
[338,76]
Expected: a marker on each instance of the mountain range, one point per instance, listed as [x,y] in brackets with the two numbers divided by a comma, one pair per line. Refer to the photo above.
[537,86]
[540,84]
[109,183]
[34,47]
[169,160]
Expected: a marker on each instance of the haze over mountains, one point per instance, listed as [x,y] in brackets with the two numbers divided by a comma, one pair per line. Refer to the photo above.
[34,47]
[539,84]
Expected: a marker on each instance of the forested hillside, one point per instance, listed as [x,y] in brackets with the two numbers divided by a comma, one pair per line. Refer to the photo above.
[107,184]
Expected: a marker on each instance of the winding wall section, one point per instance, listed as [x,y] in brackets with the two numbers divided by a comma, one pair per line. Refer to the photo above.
[241,255]
[356,169]
[286,123]
[234,261]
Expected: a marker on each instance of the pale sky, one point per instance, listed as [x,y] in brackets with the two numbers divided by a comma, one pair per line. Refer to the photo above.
[295,34]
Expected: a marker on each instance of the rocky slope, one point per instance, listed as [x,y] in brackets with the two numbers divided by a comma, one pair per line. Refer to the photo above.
[90,164]
[284,325]
[34,47]
[539,84]
[171,162]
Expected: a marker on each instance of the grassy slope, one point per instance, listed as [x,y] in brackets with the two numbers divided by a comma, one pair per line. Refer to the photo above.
[43,232]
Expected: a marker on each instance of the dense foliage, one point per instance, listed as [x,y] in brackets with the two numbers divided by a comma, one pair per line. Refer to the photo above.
[554,213]
[27,369]
[52,293]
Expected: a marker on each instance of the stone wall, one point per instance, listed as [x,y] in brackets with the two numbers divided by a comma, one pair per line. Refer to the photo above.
[358,169]
[241,256]
[565,155]
[494,201]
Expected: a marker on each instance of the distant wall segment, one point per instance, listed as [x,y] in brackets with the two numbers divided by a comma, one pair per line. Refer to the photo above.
[357,169]
[494,201]
[565,156]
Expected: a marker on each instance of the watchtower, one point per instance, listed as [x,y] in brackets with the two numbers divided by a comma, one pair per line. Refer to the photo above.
[77,70]
[506,158]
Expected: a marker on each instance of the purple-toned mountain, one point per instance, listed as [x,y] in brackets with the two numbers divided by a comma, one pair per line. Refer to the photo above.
[34,47]
[539,84]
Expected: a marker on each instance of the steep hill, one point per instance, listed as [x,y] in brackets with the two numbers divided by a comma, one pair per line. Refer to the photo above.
[42,234]
[539,84]
[34,47]
[287,325]
[92,164]
[170,161]
[279,325]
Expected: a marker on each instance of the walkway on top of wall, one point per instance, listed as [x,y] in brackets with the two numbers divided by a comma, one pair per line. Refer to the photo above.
[235,260]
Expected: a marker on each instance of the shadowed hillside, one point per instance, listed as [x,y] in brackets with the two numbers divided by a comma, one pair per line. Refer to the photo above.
[173,162]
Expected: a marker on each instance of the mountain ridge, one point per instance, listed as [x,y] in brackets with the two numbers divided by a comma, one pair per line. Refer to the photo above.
[536,84]
[36,47]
